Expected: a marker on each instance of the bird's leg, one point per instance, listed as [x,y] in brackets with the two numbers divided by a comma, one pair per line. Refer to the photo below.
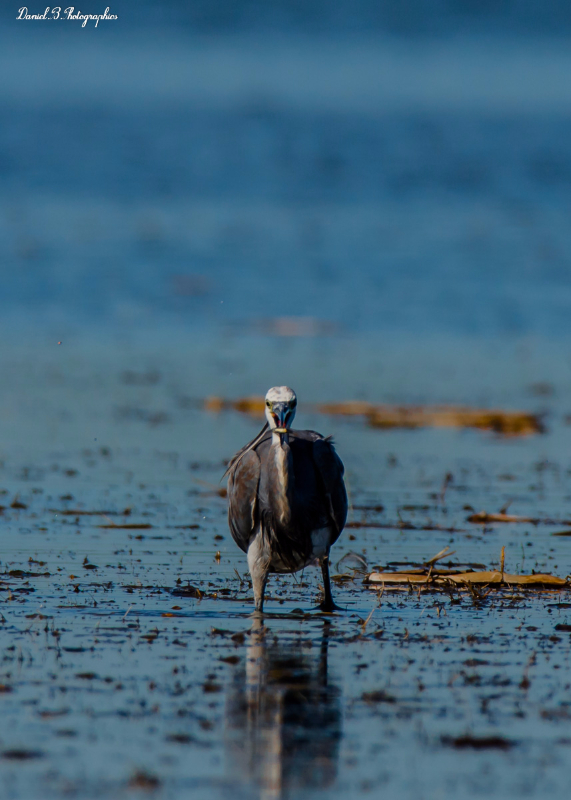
[327,605]
[259,583]
[259,566]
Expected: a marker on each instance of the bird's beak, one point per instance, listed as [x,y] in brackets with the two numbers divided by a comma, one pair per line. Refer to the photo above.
[280,412]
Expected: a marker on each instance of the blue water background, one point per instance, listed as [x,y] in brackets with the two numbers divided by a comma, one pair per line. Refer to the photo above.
[403,172]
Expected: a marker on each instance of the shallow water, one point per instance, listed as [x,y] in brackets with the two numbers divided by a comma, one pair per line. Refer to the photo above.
[114,683]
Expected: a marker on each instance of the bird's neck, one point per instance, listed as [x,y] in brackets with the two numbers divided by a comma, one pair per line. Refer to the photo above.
[281,455]
[279,438]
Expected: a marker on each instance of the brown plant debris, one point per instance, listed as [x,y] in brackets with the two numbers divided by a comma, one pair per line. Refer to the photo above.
[20,573]
[188,591]
[134,526]
[484,578]
[49,713]
[483,517]
[144,780]
[378,696]
[21,754]
[445,553]
[16,503]
[429,576]
[469,742]
[507,423]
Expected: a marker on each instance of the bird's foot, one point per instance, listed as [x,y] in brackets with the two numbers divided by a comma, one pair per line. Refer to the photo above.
[329,607]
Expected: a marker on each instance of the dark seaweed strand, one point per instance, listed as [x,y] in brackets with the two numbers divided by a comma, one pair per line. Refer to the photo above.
[246,449]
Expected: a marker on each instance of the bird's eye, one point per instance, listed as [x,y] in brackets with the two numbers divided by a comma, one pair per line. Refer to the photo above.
[292,403]
[269,405]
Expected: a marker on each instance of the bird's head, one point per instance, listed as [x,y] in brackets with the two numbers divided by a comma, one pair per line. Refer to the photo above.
[281,403]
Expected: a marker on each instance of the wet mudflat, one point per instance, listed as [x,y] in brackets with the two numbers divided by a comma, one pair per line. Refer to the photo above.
[131,664]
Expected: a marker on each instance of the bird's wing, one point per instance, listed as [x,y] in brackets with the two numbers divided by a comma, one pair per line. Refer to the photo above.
[330,470]
[243,498]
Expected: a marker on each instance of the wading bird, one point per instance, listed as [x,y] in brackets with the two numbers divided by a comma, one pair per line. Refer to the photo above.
[287,502]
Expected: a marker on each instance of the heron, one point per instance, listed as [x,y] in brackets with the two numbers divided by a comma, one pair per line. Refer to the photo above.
[287,502]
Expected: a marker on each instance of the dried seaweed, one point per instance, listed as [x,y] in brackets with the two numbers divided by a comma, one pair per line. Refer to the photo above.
[442,578]
[21,754]
[132,526]
[483,517]
[469,742]
[484,578]
[506,423]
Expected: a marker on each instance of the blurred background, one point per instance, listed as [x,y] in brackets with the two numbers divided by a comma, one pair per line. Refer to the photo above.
[386,178]
[402,168]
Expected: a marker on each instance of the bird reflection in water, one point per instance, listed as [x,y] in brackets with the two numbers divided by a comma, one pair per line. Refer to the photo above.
[283,716]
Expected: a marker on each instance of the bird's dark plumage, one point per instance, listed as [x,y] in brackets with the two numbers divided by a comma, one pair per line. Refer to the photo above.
[320,498]
[287,502]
